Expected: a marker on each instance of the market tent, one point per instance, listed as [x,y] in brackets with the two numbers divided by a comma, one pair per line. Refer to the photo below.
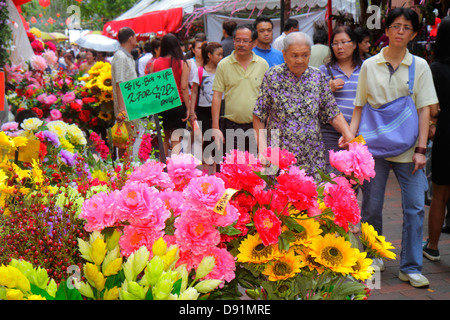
[145,23]
[143,15]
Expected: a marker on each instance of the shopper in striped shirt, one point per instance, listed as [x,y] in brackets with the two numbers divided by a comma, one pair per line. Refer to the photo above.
[342,71]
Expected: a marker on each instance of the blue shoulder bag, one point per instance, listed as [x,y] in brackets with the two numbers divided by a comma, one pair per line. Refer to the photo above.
[392,128]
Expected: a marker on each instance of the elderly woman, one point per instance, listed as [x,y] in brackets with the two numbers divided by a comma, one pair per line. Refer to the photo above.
[294,100]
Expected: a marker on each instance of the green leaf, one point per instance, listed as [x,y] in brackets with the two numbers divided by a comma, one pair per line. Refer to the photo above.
[41,292]
[176,288]
[115,280]
[149,295]
[229,230]
[347,289]
[64,293]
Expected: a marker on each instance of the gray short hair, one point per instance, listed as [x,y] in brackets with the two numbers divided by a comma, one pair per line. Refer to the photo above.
[297,38]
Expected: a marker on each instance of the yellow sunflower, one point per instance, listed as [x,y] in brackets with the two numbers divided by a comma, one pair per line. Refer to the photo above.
[97,68]
[106,96]
[362,270]
[307,260]
[376,245]
[285,267]
[105,116]
[334,253]
[104,81]
[252,250]
[311,231]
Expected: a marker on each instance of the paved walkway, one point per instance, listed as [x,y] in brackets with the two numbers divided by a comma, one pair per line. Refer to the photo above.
[438,273]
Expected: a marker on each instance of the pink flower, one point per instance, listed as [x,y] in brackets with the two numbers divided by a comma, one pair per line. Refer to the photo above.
[68,97]
[282,158]
[140,204]
[145,149]
[50,100]
[99,211]
[204,191]
[10,126]
[173,201]
[341,198]
[224,268]
[182,168]
[38,63]
[50,57]
[300,189]
[55,114]
[272,199]
[238,171]
[152,173]
[136,236]
[268,226]
[357,160]
[195,234]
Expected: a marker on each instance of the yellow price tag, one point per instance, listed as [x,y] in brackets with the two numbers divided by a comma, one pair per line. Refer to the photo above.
[223,201]
[359,139]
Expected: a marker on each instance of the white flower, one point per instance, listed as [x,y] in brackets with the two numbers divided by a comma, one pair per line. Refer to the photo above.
[31,124]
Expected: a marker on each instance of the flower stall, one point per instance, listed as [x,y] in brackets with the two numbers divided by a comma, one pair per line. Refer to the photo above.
[77,227]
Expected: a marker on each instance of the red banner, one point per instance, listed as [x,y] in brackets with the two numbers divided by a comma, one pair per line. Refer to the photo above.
[159,22]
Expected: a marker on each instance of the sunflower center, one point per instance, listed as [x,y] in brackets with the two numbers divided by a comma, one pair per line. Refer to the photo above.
[281,268]
[332,255]
[107,82]
[301,235]
[261,251]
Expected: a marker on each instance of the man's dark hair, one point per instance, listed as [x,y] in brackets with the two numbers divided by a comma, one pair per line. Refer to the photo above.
[320,36]
[290,23]
[249,27]
[262,19]
[229,26]
[124,34]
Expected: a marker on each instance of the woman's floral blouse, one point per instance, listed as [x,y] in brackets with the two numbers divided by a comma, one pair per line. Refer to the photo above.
[295,106]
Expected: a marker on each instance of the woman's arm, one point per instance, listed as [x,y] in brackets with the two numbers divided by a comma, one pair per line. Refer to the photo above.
[420,159]
[340,124]
[185,89]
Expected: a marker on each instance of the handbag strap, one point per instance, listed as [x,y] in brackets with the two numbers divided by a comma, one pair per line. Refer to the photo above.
[411,71]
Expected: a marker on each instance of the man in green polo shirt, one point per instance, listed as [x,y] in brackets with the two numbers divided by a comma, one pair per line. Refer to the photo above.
[238,78]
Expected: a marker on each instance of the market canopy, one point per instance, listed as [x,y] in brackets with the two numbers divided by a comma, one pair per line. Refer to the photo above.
[146,22]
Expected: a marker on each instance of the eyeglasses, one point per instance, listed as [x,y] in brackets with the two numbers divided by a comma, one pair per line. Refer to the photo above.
[397,27]
[337,44]
[244,41]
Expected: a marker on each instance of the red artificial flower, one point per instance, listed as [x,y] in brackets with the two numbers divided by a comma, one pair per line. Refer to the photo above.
[268,226]
[38,111]
[42,150]
[84,115]
[88,100]
[29,93]
[75,106]
[93,122]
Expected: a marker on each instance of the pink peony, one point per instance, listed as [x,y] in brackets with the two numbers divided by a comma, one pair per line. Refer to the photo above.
[10,126]
[268,226]
[140,204]
[50,100]
[357,160]
[282,158]
[273,200]
[195,234]
[50,57]
[152,173]
[173,201]
[341,198]
[99,211]
[204,191]
[55,114]
[38,63]
[68,97]
[224,268]
[182,168]
[136,236]
[300,189]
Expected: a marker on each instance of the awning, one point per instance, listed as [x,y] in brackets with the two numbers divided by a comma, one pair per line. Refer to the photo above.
[159,22]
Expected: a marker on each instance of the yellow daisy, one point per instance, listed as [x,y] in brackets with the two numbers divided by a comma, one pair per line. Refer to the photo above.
[376,245]
[252,250]
[334,253]
[285,267]
[307,260]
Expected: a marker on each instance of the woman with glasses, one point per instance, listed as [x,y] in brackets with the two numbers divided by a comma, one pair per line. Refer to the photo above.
[384,78]
[342,72]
